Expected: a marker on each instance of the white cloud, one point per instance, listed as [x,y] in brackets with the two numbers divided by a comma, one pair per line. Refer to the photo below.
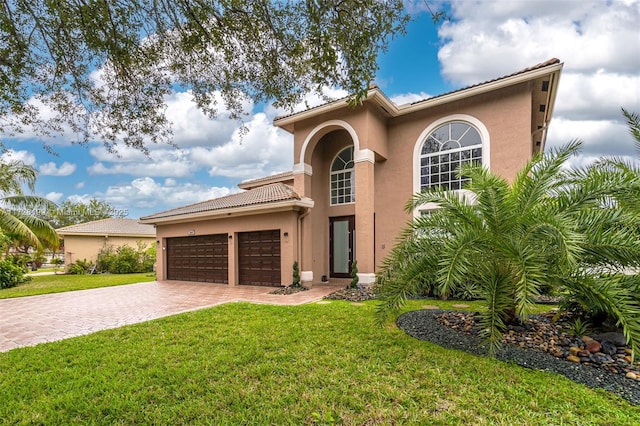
[491,38]
[54,196]
[161,162]
[78,198]
[594,40]
[310,100]
[407,98]
[25,156]
[50,169]
[146,193]
[79,185]
[262,151]
[191,127]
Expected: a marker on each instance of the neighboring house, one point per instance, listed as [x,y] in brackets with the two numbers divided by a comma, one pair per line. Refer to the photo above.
[354,171]
[85,240]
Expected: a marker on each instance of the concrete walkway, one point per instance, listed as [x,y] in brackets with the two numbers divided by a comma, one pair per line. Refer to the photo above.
[27,321]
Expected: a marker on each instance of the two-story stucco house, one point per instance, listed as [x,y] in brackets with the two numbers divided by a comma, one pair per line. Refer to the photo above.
[354,170]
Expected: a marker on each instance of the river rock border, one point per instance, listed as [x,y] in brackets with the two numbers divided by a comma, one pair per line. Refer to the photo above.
[424,325]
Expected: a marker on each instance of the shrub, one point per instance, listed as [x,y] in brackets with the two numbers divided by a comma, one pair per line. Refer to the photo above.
[81,267]
[126,260]
[296,275]
[354,275]
[11,275]
[105,259]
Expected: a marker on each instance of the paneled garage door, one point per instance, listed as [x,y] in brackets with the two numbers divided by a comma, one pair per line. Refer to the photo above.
[202,258]
[259,258]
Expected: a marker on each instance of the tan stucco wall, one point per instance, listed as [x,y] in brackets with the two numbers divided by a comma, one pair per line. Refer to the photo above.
[81,247]
[286,222]
[388,183]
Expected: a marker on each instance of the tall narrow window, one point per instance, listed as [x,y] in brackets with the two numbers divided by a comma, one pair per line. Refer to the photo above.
[444,151]
[342,178]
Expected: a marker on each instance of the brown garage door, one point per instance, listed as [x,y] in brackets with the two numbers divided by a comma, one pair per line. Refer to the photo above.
[259,258]
[203,258]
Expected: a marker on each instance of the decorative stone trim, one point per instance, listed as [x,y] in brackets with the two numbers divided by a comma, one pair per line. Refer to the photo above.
[302,168]
[366,278]
[364,155]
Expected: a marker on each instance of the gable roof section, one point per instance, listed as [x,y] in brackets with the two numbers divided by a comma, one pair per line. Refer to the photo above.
[266,180]
[550,67]
[261,199]
[111,226]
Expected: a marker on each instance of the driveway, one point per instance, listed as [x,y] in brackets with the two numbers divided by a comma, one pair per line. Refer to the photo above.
[27,321]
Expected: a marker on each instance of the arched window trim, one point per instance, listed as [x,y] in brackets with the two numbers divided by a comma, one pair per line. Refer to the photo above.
[417,149]
[340,177]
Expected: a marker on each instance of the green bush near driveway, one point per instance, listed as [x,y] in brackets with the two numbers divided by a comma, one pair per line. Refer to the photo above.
[241,363]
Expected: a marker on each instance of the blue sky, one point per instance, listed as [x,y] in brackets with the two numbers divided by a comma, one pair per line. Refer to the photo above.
[598,41]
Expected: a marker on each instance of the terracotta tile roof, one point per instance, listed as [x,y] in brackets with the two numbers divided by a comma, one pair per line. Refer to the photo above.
[110,226]
[261,195]
[551,61]
[278,177]
[546,63]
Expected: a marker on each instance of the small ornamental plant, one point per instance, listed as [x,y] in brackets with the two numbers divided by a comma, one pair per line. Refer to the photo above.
[354,275]
[296,275]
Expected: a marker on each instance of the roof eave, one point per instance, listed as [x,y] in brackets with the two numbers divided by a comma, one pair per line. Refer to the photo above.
[105,234]
[273,207]
[375,94]
[480,89]
[553,91]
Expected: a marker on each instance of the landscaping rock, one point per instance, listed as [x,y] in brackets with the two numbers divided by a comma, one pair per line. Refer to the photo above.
[613,337]
[284,290]
[593,346]
[352,294]
[609,375]
[573,358]
[608,347]
[631,375]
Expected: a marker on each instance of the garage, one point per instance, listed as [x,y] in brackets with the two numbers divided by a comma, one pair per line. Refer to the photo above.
[203,258]
[259,258]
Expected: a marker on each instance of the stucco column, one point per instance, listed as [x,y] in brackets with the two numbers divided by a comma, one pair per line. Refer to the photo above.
[364,180]
[302,186]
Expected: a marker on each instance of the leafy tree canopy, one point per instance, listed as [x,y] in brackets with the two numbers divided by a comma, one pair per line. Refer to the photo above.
[71,213]
[101,69]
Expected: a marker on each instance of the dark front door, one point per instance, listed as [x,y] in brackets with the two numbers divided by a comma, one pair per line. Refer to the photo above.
[341,245]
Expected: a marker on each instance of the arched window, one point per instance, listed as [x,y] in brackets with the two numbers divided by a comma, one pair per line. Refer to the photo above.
[444,150]
[342,178]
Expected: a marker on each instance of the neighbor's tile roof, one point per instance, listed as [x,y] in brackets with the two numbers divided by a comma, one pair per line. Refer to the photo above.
[261,195]
[112,226]
[546,63]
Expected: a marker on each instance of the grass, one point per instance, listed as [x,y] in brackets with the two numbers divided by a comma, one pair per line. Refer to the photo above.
[45,284]
[46,269]
[258,364]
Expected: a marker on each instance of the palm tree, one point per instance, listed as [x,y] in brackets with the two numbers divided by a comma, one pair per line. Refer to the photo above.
[633,121]
[18,211]
[549,227]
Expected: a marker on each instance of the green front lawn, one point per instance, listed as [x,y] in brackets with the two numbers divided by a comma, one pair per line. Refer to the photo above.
[44,284]
[258,364]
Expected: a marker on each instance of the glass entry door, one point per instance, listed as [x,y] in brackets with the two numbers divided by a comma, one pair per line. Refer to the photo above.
[341,245]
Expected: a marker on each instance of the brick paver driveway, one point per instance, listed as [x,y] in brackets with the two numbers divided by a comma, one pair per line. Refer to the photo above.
[26,321]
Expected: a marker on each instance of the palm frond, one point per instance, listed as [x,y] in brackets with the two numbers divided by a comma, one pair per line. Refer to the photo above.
[633,121]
